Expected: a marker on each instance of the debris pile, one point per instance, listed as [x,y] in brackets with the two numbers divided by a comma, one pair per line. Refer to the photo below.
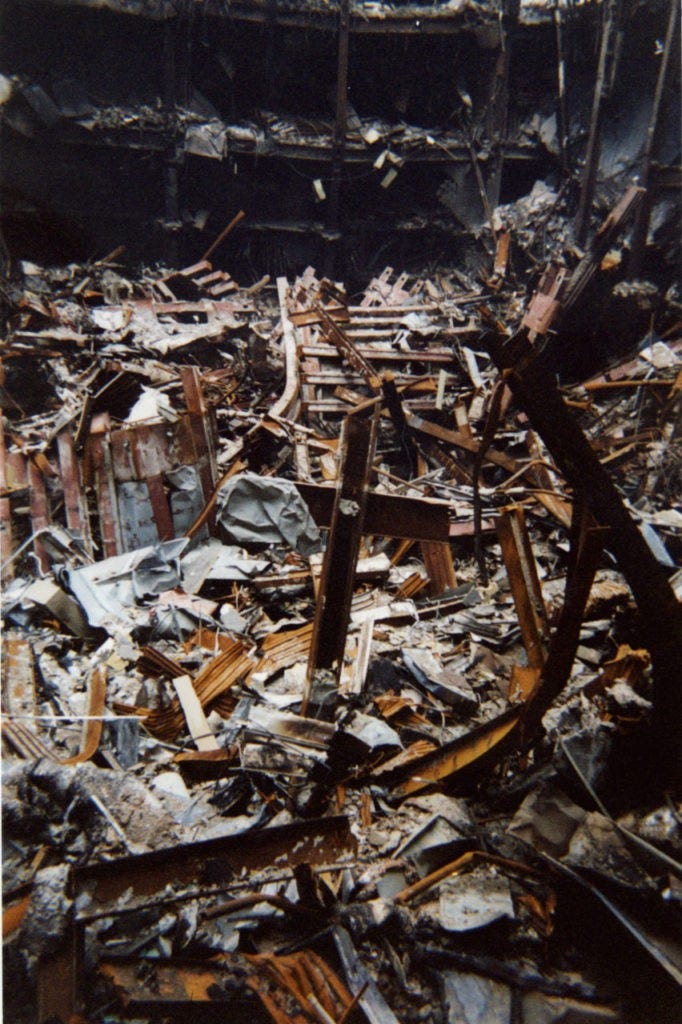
[325,695]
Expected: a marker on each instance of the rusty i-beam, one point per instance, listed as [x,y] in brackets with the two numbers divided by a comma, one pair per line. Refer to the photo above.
[536,391]
[332,611]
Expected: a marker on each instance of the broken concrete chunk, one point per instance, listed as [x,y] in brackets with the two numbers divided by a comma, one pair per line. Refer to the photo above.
[433,845]
[471,999]
[48,916]
[374,733]
[473,901]
[547,819]
[597,846]
[50,596]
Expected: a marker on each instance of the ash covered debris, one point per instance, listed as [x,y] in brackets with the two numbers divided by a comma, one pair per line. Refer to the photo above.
[232,763]
[342,636]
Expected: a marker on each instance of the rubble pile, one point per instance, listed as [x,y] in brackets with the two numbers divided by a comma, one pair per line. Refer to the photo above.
[330,689]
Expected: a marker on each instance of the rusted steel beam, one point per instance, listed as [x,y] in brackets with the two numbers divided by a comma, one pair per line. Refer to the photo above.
[501,260]
[445,459]
[59,979]
[603,238]
[340,127]
[397,414]
[539,475]
[498,105]
[94,719]
[157,990]
[587,540]
[381,513]
[545,304]
[483,746]
[16,471]
[348,349]
[489,743]
[150,452]
[309,317]
[524,582]
[294,989]
[332,610]
[40,511]
[562,114]
[207,862]
[382,355]
[223,235]
[461,441]
[202,428]
[661,614]
[160,507]
[74,501]
[215,861]
[393,515]
[436,555]
[143,450]
[6,543]
[437,558]
[100,457]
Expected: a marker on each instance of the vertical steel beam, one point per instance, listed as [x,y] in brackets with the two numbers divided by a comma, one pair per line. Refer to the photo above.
[605,71]
[6,543]
[499,114]
[562,113]
[74,502]
[339,147]
[332,611]
[40,513]
[100,454]
[661,614]
[643,213]
[587,541]
[524,582]
[200,417]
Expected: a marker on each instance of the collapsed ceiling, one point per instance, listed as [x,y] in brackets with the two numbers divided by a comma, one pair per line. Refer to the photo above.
[351,136]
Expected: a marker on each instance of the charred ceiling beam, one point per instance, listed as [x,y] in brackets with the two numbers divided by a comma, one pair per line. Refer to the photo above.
[408,19]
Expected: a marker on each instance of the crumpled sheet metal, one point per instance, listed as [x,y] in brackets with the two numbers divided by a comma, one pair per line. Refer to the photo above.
[266,510]
[108,590]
